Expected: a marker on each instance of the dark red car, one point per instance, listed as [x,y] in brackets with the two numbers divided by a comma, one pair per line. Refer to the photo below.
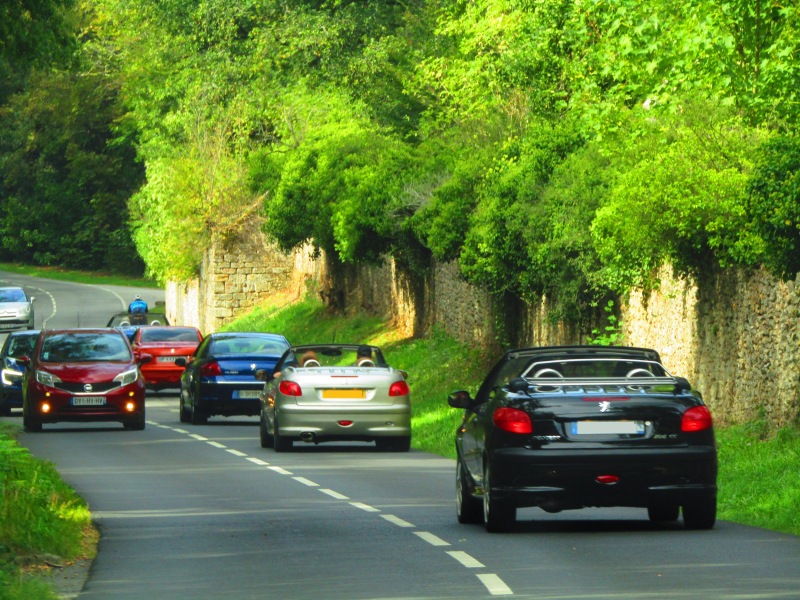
[83,375]
[165,344]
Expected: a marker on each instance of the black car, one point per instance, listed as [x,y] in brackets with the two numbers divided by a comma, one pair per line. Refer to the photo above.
[569,427]
[220,377]
[17,345]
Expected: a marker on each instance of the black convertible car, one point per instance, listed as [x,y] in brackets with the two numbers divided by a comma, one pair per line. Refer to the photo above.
[569,427]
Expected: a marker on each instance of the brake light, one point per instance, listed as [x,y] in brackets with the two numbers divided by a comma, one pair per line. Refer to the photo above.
[211,369]
[512,420]
[399,388]
[697,418]
[290,388]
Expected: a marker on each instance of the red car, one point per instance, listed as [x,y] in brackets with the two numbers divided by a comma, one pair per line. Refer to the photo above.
[83,375]
[165,344]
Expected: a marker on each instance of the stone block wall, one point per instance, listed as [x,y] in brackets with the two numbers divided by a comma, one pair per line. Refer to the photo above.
[734,334]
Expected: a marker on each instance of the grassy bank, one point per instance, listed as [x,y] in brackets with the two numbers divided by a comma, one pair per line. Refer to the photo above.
[438,365]
[42,520]
[77,276]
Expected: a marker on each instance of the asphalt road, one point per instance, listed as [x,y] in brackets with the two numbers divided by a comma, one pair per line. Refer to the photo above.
[196,512]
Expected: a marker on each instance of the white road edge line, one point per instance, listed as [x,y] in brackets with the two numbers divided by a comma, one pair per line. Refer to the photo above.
[433,540]
[333,494]
[495,585]
[257,461]
[235,452]
[198,437]
[216,444]
[397,521]
[465,559]
[180,430]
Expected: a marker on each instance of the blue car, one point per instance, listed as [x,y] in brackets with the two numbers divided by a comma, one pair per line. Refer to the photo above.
[220,377]
[17,344]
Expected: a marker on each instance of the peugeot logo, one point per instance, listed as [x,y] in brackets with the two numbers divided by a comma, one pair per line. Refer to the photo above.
[87,388]
[253,367]
[605,406]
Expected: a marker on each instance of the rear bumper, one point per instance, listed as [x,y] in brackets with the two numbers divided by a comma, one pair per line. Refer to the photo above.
[222,399]
[575,479]
[345,423]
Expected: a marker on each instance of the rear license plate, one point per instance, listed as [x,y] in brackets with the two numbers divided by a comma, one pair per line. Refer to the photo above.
[337,393]
[246,394]
[607,427]
[166,359]
[89,401]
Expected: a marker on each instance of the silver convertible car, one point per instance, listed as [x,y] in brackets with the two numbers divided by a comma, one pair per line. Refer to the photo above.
[325,392]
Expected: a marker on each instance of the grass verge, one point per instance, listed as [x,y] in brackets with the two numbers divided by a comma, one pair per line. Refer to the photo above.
[437,365]
[78,276]
[42,520]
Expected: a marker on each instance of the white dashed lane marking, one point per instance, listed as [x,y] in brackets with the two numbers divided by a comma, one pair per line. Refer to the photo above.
[493,583]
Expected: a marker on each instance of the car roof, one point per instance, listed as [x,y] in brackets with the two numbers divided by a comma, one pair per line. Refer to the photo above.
[229,335]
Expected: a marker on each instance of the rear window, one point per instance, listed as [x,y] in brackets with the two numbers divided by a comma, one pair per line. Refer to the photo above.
[173,334]
[84,347]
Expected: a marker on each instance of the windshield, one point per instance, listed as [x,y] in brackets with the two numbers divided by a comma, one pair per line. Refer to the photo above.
[12,295]
[85,347]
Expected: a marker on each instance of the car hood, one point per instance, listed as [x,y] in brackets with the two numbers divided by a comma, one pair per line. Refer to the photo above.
[13,307]
[87,372]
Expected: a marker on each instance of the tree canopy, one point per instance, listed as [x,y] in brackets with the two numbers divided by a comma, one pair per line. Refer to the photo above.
[566,148]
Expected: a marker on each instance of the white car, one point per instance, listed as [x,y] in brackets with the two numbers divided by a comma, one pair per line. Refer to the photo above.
[16,309]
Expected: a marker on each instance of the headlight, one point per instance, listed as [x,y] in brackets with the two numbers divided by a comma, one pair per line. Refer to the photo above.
[26,310]
[128,377]
[47,379]
[11,376]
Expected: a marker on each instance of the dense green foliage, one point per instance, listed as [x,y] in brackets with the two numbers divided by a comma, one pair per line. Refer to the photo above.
[559,148]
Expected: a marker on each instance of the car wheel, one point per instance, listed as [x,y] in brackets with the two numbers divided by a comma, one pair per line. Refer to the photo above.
[5,411]
[663,512]
[183,414]
[198,417]
[498,515]
[394,444]
[267,440]
[700,514]
[30,424]
[280,442]
[468,508]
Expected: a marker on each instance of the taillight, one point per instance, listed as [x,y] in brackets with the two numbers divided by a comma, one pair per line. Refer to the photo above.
[290,388]
[697,418]
[211,369]
[512,420]
[399,388]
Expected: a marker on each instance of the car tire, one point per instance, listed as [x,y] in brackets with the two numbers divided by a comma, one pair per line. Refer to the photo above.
[400,443]
[5,411]
[281,443]
[183,414]
[31,425]
[499,515]
[663,512]
[197,416]
[267,439]
[469,509]
[700,514]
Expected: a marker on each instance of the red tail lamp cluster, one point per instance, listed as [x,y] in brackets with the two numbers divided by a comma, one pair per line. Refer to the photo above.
[512,420]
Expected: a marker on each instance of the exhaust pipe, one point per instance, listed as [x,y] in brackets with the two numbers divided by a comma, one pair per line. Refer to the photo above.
[309,437]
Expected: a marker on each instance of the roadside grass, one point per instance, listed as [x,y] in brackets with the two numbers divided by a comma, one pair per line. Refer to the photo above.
[758,466]
[41,519]
[78,276]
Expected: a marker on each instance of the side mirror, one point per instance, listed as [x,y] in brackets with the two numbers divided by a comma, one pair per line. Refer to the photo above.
[403,373]
[23,361]
[144,358]
[460,399]
[180,361]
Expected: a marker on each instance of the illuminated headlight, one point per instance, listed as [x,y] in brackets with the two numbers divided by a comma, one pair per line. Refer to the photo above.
[128,377]
[11,376]
[47,379]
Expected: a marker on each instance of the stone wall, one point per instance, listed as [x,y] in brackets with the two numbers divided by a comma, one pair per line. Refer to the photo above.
[734,334]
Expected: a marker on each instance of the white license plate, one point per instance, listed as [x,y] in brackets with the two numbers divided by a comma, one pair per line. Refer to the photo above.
[247,394]
[166,359]
[89,401]
[607,427]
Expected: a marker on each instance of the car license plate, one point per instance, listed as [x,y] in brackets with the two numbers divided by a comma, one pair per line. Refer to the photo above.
[607,427]
[89,401]
[247,394]
[341,393]
[166,359]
